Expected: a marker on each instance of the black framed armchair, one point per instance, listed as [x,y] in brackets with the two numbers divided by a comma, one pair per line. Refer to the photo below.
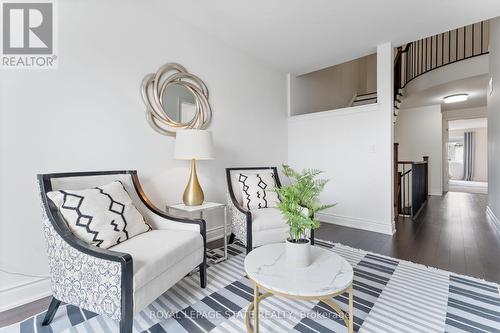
[120,281]
[258,226]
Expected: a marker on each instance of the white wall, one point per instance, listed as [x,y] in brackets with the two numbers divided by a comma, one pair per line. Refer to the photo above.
[481,155]
[354,148]
[333,87]
[494,122]
[466,113]
[419,133]
[88,114]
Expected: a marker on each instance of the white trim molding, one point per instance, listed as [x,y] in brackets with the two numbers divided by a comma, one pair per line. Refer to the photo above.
[24,293]
[494,218]
[358,223]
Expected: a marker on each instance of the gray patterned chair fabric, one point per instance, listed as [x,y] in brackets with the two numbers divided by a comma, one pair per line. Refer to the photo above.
[122,280]
[258,226]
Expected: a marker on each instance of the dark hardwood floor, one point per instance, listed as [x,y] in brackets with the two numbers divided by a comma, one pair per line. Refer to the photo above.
[22,312]
[453,233]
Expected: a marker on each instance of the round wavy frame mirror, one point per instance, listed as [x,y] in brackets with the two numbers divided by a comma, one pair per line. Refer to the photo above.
[153,88]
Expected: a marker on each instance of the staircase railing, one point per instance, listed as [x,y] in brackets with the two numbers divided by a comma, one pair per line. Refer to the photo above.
[411,189]
[427,54]
[413,178]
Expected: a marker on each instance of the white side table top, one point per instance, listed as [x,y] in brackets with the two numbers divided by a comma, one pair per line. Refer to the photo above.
[328,273]
[204,206]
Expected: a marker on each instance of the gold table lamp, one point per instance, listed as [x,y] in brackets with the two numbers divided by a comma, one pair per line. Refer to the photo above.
[193,144]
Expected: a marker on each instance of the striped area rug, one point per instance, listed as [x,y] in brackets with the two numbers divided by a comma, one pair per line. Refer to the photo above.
[390,295]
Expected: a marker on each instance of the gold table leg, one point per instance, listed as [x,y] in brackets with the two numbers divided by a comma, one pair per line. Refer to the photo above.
[349,321]
[256,308]
[350,328]
[253,307]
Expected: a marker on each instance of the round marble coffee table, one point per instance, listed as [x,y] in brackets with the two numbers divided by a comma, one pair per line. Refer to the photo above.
[328,275]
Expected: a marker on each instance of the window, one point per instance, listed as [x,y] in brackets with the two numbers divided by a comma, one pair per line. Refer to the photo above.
[456,152]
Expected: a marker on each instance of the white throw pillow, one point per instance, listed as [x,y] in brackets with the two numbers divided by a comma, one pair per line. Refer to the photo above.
[102,216]
[257,190]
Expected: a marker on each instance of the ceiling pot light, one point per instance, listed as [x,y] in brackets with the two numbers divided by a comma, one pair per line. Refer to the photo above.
[455,98]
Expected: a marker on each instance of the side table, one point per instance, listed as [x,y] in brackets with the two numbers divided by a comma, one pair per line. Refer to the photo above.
[206,206]
[327,276]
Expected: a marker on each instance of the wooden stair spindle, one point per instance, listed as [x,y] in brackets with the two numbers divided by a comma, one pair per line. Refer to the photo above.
[396,178]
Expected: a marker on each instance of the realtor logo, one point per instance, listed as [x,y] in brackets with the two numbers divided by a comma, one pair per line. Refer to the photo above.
[28,35]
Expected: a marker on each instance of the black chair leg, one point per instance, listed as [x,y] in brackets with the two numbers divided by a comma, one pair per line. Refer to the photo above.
[126,324]
[127,311]
[231,238]
[312,237]
[249,248]
[203,275]
[51,311]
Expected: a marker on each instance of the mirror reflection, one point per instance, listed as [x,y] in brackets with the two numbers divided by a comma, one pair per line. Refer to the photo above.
[179,103]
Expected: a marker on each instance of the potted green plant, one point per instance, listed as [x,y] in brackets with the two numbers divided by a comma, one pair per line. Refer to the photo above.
[299,205]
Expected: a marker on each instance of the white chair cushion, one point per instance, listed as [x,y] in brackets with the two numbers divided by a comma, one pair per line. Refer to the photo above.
[156,251]
[102,216]
[257,190]
[156,287]
[266,219]
[278,235]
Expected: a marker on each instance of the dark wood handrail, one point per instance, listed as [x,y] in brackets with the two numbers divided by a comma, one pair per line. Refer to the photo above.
[412,162]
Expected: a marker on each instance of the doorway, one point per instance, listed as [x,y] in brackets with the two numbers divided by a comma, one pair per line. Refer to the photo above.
[467,155]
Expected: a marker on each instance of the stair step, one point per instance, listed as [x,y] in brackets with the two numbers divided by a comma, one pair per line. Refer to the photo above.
[373,94]
[365,96]
[364,101]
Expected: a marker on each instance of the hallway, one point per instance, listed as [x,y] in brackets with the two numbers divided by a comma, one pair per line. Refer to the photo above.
[453,233]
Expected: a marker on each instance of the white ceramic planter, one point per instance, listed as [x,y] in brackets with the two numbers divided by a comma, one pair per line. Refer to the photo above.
[298,255]
[304,211]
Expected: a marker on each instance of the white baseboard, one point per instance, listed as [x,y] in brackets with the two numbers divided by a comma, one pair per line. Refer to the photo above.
[358,223]
[24,293]
[495,219]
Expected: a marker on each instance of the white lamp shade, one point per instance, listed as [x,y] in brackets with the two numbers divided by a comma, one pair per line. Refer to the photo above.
[194,144]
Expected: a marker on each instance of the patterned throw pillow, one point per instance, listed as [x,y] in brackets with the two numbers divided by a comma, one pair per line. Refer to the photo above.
[256,190]
[102,216]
